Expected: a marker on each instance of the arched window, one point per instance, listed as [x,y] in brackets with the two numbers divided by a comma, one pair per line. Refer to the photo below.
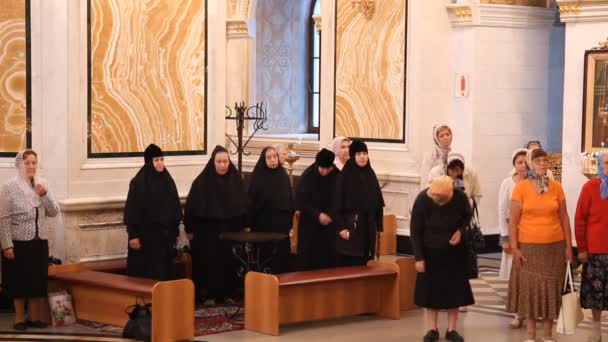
[314,69]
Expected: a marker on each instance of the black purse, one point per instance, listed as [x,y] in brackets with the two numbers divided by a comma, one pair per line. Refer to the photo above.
[474,237]
[139,326]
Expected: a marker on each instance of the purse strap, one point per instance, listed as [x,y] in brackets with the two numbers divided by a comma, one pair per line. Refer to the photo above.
[568,279]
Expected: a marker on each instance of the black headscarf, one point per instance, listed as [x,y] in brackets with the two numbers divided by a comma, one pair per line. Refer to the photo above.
[270,188]
[325,158]
[314,190]
[358,187]
[153,196]
[215,196]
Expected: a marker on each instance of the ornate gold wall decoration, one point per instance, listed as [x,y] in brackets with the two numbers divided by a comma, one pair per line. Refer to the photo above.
[15,133]
[317,19]
[370,71]
[601,45]
[461,12]
[147,76]
[572,8]
[531,3]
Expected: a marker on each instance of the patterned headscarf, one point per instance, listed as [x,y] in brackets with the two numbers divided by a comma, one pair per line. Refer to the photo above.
[602,175]
[441,153]
[544,179]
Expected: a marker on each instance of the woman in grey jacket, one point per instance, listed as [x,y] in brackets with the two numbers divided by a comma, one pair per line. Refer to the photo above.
[24,204]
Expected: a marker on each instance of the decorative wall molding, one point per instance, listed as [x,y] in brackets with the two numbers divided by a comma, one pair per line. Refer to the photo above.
[240,8]
[531,3]
[583,11]
[239,28]
[492,15]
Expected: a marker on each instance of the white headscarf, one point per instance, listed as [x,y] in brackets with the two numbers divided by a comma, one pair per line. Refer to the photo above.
[441,153]
[30,199]
[335,147]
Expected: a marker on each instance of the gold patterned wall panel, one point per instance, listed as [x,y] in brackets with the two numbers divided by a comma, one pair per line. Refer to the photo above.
[147,76]
[370,71]
[14,77]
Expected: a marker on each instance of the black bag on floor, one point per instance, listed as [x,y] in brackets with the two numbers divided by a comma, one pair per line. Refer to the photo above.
[139,326]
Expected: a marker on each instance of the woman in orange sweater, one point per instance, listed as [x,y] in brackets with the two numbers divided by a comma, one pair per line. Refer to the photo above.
[591,224]
[541,243]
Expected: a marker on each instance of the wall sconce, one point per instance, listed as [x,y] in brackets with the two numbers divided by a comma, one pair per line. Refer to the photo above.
[366,7]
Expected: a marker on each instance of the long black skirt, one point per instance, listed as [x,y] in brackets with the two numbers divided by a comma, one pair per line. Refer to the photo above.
[444,284]
[26,276]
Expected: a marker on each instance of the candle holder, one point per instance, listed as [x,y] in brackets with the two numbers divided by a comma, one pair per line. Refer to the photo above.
[292,157]
[589,164]
[242,113]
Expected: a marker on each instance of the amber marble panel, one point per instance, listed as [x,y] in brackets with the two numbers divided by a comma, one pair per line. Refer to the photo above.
[147,76]
[370,71]
[14,52]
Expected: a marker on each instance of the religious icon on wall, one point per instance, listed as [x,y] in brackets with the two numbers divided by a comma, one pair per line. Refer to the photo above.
[595,101]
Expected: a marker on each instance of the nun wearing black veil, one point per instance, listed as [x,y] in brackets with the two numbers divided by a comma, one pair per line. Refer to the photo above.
[359,207]
[314,200]
[271,204]
[152,215]
[217,203]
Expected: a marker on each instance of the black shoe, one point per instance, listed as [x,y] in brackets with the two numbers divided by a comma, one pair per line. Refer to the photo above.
[21,326]
[36,324]
[453,336]
[431,336]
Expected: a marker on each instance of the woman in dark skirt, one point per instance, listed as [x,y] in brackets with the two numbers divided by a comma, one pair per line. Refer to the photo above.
[217,203]
[152,215]
[439,217]
[271,205]
[25,202]
[358,208]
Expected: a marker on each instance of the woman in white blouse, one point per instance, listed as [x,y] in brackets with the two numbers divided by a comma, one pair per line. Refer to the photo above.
[504,198]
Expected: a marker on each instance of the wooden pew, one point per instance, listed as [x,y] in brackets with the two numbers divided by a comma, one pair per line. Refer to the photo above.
[407,279]
[105,297]
[272,300]
[183,265]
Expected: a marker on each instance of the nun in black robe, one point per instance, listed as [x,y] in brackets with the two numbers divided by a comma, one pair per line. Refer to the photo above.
[271,205]
[152,215]
[359,207]
[314,200]
[216,203]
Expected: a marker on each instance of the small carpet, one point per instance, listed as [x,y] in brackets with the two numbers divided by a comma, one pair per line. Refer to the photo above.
[207,321]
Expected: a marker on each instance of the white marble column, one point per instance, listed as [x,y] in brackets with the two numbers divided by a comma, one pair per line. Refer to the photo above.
[507,53]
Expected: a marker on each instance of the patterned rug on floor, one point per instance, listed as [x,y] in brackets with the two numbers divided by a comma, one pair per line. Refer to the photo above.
[207,321]
[490,293]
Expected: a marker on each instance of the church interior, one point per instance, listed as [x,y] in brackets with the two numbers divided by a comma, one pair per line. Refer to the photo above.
[103,89]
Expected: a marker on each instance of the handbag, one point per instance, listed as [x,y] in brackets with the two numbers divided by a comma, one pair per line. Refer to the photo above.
[139,326]
[474,236]
[571,313]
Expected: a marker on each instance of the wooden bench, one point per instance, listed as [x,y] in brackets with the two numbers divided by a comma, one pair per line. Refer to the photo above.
[271,300]
[407,279]
[183,265]
[105,297]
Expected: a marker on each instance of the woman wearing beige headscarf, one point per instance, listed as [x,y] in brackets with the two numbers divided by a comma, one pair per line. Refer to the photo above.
[442,138]
[340,148]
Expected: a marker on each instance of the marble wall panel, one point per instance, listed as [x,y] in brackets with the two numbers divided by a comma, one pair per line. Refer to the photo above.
[14,51]
[370,71]
[147,75]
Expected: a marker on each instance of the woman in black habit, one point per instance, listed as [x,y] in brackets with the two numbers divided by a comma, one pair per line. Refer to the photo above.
[271,205]
[217,203]
[317,231]
[152,215]
[359,207]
